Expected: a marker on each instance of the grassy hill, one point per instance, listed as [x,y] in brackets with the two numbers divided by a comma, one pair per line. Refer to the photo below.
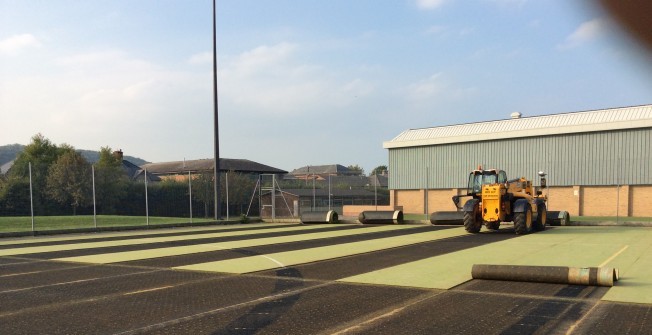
[11,151]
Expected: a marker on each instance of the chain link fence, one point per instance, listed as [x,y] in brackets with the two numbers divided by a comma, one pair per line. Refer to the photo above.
[95,196]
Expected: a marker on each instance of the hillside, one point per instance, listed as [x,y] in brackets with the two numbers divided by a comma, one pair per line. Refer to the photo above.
[11,151]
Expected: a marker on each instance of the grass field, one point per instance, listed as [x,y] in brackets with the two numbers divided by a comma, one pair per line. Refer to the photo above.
[24,223]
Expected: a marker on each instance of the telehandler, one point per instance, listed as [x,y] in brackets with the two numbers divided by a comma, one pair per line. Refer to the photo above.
[495,199]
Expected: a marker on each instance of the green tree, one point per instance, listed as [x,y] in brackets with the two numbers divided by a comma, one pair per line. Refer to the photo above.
[241,187]
[110,181]
[41,154]
[69,180]
[380,169]
[202,190]
[356,168]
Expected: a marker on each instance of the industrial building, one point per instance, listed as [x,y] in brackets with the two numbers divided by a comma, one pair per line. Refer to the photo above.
[597,162]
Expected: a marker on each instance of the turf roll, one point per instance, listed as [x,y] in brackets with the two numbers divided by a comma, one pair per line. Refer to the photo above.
[319,217]
[381,217]
[591,276]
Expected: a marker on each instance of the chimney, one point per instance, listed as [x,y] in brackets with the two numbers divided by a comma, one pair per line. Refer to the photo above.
[516,115]
[118,155]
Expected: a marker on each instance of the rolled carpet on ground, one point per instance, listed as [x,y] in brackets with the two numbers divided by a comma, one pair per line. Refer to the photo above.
[320,217]
[381,217]
[591,276]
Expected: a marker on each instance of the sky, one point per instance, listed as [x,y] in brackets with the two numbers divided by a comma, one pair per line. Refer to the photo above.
[300,82]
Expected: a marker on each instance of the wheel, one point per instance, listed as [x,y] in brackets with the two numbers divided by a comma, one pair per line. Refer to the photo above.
[523,221]
[493,225]
[472,220]
[542,217]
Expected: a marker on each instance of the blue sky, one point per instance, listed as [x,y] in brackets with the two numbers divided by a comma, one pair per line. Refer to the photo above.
[301,82]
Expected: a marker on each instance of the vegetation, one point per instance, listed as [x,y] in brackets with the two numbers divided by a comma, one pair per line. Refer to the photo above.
[380,169]
[64,182]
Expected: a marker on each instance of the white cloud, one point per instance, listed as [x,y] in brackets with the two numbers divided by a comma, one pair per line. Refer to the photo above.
[436,89]
[15,44]
[425,88]
[429,4]
[201,58]
[103,98]
[586,32]
[271,80]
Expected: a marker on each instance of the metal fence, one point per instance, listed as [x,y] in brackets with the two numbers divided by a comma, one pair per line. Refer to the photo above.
[100,198]
[94,196]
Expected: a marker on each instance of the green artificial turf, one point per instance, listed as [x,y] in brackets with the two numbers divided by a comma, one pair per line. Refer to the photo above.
[24,223]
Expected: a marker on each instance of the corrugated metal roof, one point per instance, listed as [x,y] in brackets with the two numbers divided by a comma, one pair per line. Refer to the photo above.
[567,123]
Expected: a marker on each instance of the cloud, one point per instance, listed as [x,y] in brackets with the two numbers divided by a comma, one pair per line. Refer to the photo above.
[109,97]
[272,80]
[429,4]
[425,88]
[586,32]
[201,58]
[15,44]
[435,88]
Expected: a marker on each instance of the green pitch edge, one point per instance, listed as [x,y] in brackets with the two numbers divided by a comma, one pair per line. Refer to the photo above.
[627,248]
[86,236]
[289,258]
[192,249]
[115,243]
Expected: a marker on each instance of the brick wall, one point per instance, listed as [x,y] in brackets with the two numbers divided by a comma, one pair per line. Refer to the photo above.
[641,200]
[577,200]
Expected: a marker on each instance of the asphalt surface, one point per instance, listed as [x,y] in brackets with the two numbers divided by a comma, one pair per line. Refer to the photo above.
[41,296]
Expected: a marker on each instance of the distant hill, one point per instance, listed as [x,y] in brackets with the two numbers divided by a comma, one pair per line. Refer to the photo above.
[11,151]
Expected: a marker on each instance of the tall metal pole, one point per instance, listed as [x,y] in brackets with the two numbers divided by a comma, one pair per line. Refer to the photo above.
[216,172]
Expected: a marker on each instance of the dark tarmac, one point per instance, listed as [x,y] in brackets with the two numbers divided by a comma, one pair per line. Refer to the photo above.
[40,296]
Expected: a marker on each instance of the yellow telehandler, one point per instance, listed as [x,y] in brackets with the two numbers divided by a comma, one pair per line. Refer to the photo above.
[495,199]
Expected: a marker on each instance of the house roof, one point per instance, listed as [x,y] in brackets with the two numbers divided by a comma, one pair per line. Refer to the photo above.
[226,164]
[567,123]
[134,172]
[335,169]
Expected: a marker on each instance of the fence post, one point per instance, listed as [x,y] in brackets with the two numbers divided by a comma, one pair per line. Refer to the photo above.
[146,201]
[190,194]
[94,205]
[226,179]
[31,195]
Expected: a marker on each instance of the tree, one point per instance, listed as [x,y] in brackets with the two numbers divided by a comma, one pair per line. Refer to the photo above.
[69,180]
[356,168]
[241,187]
[202,190]
[380,169]
[41,154]
[110,181]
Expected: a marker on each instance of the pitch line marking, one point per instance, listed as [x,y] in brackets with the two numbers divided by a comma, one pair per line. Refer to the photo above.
[613,256]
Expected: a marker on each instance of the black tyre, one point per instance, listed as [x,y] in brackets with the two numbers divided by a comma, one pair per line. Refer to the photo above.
[472,220]
[523,221]
[493,225]
[542,217]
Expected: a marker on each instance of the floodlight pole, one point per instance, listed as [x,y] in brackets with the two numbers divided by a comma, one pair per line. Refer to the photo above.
[216,171]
